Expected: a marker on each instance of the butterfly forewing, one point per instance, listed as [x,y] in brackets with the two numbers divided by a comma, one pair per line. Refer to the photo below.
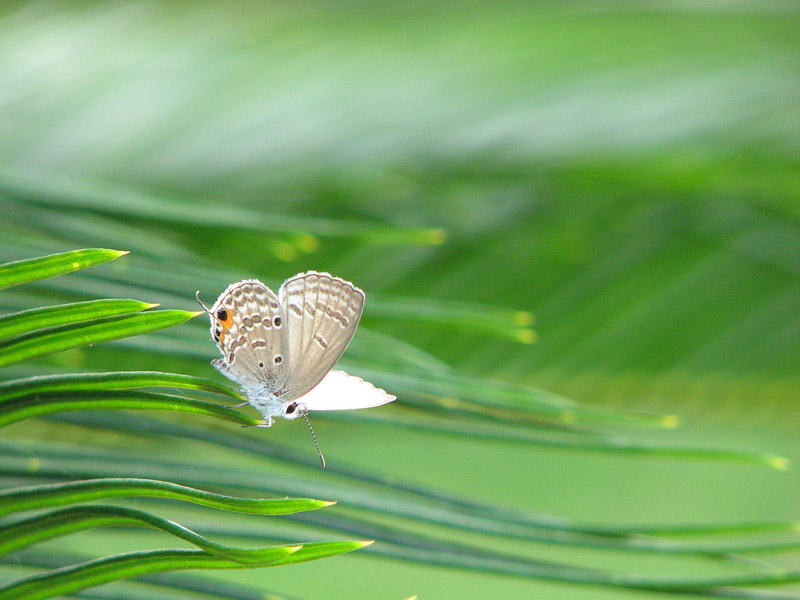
[322,313]
[252,336]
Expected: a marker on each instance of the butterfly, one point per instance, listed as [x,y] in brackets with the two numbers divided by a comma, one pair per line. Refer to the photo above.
[281,348]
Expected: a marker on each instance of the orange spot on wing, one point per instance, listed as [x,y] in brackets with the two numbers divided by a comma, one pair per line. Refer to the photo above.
[226,324]
[221,326]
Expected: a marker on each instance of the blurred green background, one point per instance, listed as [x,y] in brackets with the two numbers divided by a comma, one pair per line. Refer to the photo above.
[628,173]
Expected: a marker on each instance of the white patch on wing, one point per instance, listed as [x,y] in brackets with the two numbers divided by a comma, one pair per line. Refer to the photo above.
[340,391]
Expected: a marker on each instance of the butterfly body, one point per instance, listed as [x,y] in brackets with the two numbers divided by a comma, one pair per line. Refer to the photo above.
[280,348]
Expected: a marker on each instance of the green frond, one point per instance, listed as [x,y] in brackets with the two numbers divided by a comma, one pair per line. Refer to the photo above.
[34,269]
[579,237]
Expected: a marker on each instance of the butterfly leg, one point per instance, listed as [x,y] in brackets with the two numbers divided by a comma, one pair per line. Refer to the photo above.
[238,405]
[267,423]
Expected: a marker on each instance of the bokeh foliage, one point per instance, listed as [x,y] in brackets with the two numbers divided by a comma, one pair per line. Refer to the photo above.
[628,175]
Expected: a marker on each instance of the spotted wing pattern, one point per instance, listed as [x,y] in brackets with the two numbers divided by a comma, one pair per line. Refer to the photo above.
[249,326]
[322,313]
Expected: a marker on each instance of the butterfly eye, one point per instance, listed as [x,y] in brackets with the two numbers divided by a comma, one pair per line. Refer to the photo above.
[222,314]
[291,408]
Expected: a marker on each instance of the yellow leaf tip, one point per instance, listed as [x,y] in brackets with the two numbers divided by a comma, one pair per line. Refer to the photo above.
[526,336]
[149,305]
[196,313]
[670,421]
[523,317]
[308,243]
[365,543]
[449,402]
[437,236]
[121,252]
[779,462]
[285,251]
[327,502]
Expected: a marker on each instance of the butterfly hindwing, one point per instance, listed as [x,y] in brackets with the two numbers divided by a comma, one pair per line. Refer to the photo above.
[322,313]
[340,391]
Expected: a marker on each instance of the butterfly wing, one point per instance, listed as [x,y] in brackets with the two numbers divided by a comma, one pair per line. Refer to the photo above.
[249,326]
[340,391]
[322,313]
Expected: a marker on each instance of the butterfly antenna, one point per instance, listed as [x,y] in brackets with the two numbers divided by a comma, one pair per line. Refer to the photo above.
[314,437]
[205,308]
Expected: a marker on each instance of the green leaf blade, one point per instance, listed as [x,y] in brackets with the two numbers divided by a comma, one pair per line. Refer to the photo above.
[53,316]
[57,523]
[61,494]
[317,550]
[77,335]
[19,409]
[67,580]
[135,204]
[119,380]
[488,319]
[35,269]
[613,444]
